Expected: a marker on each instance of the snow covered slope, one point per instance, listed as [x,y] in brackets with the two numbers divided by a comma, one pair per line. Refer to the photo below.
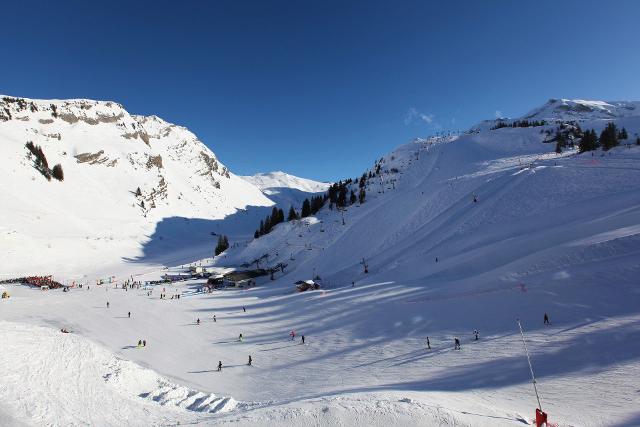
[584,110]
[278,179]
[91,220]
[420,206]
[547,233]
[568,110]
[286,190]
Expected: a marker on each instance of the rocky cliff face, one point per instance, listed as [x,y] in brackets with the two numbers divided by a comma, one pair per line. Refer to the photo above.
[123,173]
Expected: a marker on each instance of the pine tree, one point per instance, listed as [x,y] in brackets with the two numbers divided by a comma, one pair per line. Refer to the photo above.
[589,141]
[362,195]
[609,136]
[267,225]
[342,196]
[623,134]
[57,172]
[223,244]
[256,234]
[306,208]
[292,214]
[352,198]
[363,180]
[558,147]
[561,141]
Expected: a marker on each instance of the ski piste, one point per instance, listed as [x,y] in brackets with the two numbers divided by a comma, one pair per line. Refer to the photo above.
[549,233]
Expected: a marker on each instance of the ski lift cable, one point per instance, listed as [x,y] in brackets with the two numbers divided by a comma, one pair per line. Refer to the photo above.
[535,388]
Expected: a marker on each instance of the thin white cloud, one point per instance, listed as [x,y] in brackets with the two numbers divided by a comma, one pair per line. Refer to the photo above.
[413,115]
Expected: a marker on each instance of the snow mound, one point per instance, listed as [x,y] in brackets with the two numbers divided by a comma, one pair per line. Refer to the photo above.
[49,369]
[168,394]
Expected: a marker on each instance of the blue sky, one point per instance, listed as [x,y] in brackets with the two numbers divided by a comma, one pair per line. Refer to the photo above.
[320,88]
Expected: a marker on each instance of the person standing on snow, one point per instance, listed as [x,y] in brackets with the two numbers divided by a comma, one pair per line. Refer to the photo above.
[250,360]
[240,338]
[476,333]
[457,343]
[303,339]
[293,335]
[244,309]
[546,319]
[129,314]
[198,321]
[214,318]
[219,365]
[107,304]
[144,343]
[428,344]
[139,343]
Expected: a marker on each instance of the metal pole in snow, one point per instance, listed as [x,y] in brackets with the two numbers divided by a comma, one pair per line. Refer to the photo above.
[530,367]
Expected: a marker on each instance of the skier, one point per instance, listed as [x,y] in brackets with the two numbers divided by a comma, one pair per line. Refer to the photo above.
[303,339]
[436,259]
[293,335]
[546,319]
[219,365]
[428,344]
[107,304]
[129,315]
[240,338]
[353,284]
[244,309]
[144,343]
[250,361]
[198,321]
[214,318]
[476,333]
[139,343]
[457,343]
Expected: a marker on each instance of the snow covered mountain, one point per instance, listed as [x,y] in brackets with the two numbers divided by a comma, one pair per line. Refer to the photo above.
[569,110]
[420,206]
[123,174]
[454,234]
[286,190]
[278,179]
[584,110]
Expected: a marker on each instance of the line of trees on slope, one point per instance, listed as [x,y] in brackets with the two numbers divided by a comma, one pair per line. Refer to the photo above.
[609,137]
[340,194]
[566,135]
[42,165]
[519,124]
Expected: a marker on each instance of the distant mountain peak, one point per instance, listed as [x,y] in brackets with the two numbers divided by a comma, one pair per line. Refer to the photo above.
[280,179]
[582,109]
